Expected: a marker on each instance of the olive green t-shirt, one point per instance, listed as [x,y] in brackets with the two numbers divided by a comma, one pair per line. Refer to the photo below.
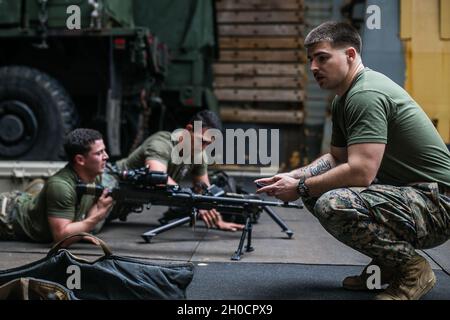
[377,110]
[159,146]
[58,199]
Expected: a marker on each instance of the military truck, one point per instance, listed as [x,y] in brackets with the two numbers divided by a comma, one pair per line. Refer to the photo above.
[189,28]
[101,64]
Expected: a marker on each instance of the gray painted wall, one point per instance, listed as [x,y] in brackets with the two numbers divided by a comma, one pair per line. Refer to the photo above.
[383,49]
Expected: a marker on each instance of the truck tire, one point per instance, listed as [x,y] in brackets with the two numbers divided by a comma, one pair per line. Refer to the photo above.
[35,115]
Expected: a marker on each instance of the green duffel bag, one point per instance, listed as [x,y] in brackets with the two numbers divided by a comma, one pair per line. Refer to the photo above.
[109,277]
[34,289]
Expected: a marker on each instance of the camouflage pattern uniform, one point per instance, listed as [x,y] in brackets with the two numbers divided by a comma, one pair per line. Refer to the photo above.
[385,222]
[7,204]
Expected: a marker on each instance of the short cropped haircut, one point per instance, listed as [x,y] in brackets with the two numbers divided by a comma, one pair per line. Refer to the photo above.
[337,33]
[208,118]
[79,142]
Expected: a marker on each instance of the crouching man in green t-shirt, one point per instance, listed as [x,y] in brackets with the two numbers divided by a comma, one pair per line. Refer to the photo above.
[384,189]
[56,212]
[156,153]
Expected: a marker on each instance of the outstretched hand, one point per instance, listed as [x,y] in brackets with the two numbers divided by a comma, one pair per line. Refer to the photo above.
[268,181]
[228,226]
[213,218]
[282,186]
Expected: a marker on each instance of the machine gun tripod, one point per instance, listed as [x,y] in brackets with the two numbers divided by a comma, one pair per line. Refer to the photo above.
[141,187]
[215,191]
[246,232]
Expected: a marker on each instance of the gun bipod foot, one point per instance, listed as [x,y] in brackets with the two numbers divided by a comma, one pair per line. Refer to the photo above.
[236,257]
[249,249]
[148,237]
[289,233]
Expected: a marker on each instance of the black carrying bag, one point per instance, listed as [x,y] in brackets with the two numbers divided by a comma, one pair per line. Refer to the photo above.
[110,277]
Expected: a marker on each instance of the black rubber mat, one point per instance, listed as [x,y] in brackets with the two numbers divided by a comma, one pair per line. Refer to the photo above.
[254,281]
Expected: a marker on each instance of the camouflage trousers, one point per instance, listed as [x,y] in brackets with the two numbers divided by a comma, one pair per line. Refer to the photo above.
[7,203]
[386,223]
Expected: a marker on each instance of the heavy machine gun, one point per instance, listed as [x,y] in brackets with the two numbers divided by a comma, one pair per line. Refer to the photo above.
[139,188]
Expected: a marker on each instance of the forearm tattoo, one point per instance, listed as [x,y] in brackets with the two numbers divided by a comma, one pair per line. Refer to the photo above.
[320,167]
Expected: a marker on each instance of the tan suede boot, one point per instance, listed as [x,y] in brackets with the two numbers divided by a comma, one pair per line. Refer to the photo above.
[35,186]
[412,281]
[359,283]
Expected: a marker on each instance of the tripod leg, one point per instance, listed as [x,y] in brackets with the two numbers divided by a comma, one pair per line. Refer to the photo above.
[279,221]
[249,226]
[147,236]
[173,213]
[237,254]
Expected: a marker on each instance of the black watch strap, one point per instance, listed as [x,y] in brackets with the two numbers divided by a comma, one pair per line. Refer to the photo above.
[302,188]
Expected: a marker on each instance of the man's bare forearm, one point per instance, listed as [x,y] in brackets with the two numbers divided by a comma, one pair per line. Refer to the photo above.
[342,176]
[318,167]
[71,228]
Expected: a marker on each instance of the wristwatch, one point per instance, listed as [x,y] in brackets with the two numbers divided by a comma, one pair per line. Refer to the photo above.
[302,188]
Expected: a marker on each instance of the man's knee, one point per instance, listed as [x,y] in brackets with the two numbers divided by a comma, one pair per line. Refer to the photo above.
[338,206]
[323,207]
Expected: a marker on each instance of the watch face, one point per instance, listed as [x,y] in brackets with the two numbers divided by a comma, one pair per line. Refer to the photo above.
[302,179]
[302,189]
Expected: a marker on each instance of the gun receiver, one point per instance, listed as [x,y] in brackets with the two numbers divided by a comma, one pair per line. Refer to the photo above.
[135,196]
[142,187]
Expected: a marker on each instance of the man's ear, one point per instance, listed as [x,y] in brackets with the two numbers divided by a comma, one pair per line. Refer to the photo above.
[351,53]
[79,159]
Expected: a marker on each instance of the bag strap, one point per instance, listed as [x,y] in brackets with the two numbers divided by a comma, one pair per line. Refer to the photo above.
[106,250]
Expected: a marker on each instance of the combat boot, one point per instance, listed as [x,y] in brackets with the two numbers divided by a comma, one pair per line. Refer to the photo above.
[35,186]
[359,283]
[412,281]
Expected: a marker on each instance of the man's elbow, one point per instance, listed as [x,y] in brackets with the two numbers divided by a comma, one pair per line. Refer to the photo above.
[58,236]
[364,176]
[366,181]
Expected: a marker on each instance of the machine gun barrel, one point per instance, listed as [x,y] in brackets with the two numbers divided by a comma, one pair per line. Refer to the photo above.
[176,196]
[90,189]
[229,200]
[133,194]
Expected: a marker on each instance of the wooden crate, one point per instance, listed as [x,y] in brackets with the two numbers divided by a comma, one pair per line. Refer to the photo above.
[236,56]
[259,69]
[231,114]
[261,60]
[269,55]
[233,17]
[233,5]
[269,95]
[242,30]
[236,81]
[261,43]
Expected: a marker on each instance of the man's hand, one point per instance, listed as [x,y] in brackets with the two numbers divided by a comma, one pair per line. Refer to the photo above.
[272,180]
[103,204]
[281,186]
[62,228]
[208,217]
[213,218]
